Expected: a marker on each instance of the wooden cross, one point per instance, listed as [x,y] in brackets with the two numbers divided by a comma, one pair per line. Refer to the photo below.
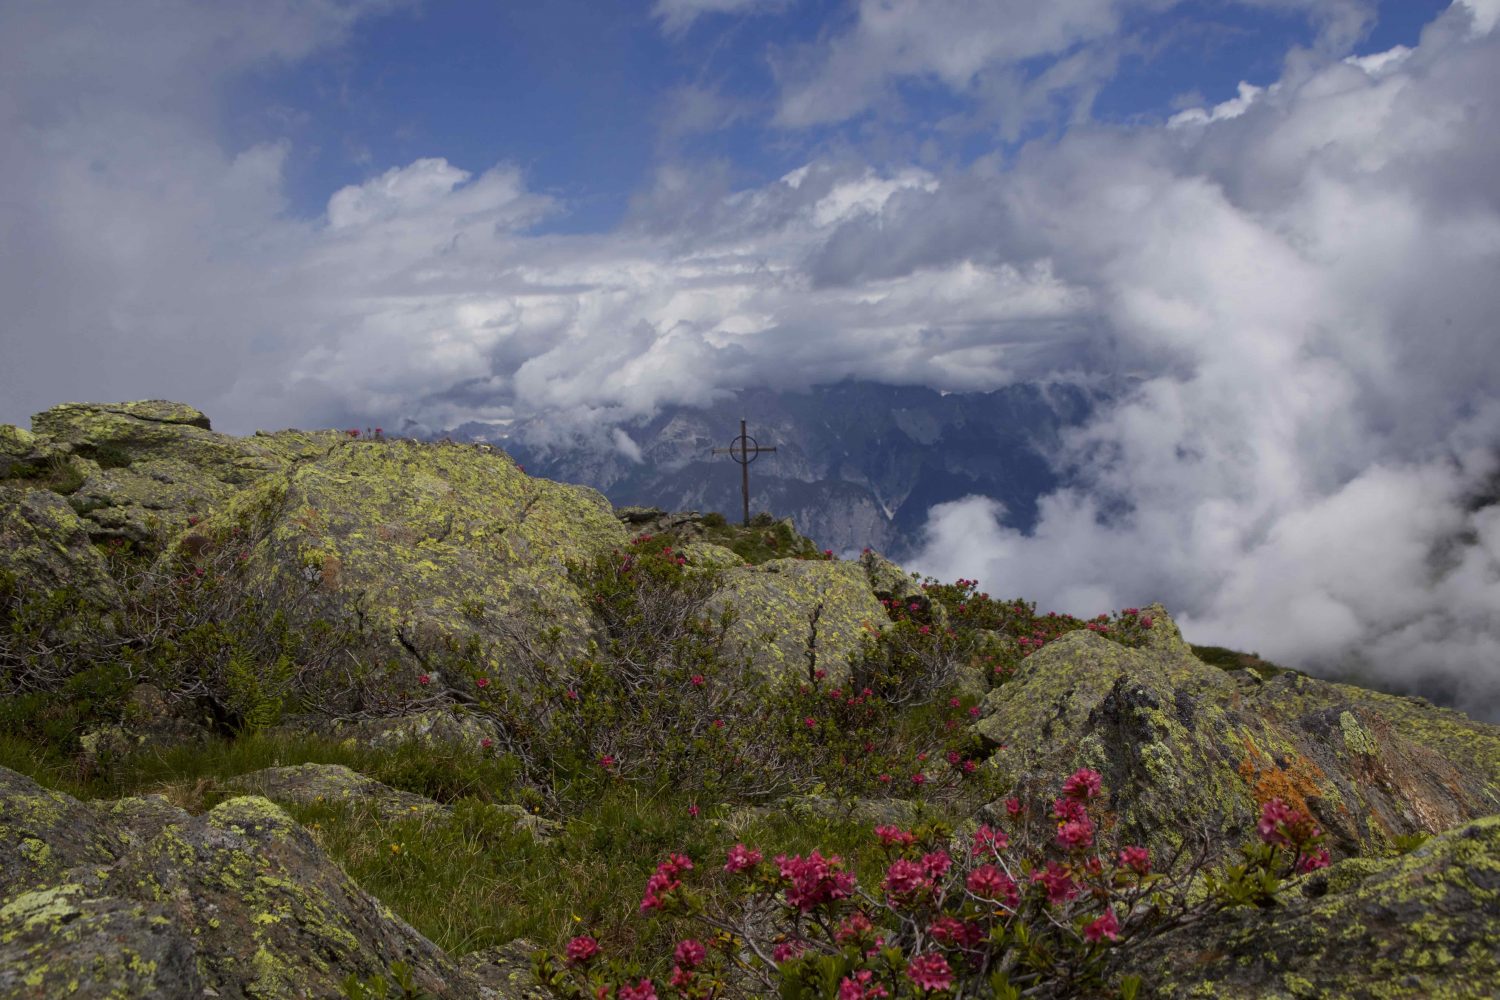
[744,450]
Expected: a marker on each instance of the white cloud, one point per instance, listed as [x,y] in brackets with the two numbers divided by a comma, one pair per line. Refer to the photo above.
[1232,108]
[1305,282]
[626,445]
[677,16]
[980,47]
[1484,14]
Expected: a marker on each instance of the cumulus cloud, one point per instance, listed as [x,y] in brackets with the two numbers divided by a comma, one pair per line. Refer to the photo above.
[1303,283]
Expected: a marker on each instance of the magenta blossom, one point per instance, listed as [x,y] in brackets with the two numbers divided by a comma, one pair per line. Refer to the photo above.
[788,950]
[905,879]
[1076,834]
[582,948]
[1058,883]
[894,835]
[740,858]
[690,953]
[930,972]
[1312,862]
[1137,859]
[1083,783]
[644,990]
[989,882]
[1105,927]
[815,880]
[987,839]
[859,987]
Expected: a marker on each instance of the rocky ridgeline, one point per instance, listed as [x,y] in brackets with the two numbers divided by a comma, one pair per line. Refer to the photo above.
[434,548]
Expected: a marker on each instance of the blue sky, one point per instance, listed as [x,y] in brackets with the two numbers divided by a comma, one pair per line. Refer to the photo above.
[1280,219]
[585,96]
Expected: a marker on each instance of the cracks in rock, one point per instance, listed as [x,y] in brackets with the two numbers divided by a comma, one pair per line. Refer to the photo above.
[812,641]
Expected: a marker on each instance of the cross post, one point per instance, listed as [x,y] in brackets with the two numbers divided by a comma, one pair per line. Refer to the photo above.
[744,450]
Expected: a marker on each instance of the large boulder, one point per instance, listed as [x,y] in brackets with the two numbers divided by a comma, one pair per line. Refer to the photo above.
[1191,750]
[434,544]
[1423,925]
[152,467]
[795,616]
[45,546]
[138,898]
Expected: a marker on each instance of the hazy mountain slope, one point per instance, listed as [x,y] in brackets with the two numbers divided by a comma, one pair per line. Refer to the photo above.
[857,463]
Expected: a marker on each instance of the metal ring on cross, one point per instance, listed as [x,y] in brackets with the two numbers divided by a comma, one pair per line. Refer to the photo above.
[747,445]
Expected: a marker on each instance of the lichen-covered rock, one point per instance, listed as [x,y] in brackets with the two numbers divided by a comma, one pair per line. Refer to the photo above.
[147,719]
[706,555]
[138,898]
[886,577]
[435,544]
[46,546]
[335,784]
[17,445]
[505,970]
[795,616]
[43,834]
[59,942]
[1423,925]
[1188,749]
[431,727]
[153,466]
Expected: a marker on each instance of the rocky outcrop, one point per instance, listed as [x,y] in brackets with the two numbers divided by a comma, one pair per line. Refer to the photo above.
[1191,750]
[46,545]
[138,898]
[337,785]
[144,470]
[433,544]
[1423,925]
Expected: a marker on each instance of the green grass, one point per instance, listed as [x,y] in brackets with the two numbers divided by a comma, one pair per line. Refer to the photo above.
[470,879]
[763,540]
[1233,659]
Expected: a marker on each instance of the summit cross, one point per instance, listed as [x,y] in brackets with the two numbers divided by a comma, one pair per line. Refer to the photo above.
[744,450]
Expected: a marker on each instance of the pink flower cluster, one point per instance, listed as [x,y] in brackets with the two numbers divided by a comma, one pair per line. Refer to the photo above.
[930,972]
[582,948]
[860,987]
[665,881]
[740,858]
[1284,826]
[814,880]
[989,882]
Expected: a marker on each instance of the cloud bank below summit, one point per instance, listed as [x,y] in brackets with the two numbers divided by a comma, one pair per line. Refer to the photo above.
[1300,282]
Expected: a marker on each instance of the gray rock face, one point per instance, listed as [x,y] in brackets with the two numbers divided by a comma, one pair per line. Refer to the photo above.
[46,546]
[138,898]
[1188,749]
[1423,925]
[797,616]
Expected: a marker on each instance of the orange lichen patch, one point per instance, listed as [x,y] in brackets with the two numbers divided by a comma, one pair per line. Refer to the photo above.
[1292,783]
[399,533]
[331,570]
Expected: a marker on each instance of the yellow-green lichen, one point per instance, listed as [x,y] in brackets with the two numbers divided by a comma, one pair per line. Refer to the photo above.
[1357,738]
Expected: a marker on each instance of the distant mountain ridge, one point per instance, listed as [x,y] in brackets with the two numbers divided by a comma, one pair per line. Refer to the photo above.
[857,463]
